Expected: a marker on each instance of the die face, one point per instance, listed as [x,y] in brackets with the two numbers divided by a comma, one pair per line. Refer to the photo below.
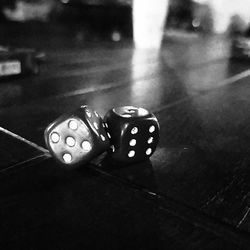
[69,140]
[72,140]
[91,117]
[139,141]
[134,133]
[115,126]
[95,124]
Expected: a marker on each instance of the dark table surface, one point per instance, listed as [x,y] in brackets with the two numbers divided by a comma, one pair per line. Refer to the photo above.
[194,193]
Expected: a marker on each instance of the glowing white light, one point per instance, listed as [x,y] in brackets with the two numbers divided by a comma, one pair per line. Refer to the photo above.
[148,151]
[86,146]
[223,11]
[134,130]
[55,137]
[95,125]
[67,157]
[70,141]
[102,137]
[116,36]
[196,23]
[73,125]
[131,153]
[113,148]
[150,140]
[132,143]
[142,112]
[200,1]
[152,129]
[109,136]
[88,113]
[127,115]
[148,22]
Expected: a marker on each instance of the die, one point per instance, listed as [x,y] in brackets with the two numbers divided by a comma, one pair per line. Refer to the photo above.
[134,133]
[76,138]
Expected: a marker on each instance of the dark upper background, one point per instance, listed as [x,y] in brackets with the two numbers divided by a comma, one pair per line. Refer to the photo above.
[105,15]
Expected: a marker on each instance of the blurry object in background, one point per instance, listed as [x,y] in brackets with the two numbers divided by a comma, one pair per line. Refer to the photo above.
[209,16]
[224,10]
[19,61]
[100,2]
[102,19]
[149,22]
[202,18]
[237,26]
[3,49]
[116,36]
[30,10]
[180,14]
[189,16]
[240,48]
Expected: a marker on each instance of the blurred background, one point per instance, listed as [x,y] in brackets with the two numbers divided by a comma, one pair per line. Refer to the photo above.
[112,19]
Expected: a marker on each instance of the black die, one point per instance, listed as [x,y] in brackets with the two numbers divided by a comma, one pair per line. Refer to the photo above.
[77,137]
[134,133]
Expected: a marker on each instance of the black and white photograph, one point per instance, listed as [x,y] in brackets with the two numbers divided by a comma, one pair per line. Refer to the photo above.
[124,125]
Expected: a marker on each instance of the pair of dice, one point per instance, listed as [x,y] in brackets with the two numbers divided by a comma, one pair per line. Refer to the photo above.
[76,138]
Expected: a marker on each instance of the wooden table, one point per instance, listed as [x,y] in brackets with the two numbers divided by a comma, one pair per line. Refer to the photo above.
[195,191]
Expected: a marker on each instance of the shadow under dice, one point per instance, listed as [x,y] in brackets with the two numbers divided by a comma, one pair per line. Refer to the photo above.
[134,133]
[76,138]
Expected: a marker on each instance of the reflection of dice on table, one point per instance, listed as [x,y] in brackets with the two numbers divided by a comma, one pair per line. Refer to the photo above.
[134,133]
[19,61]
[76,138]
